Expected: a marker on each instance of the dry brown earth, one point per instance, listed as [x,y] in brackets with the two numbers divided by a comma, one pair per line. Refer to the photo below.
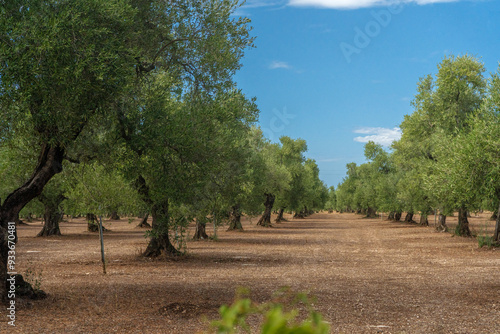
[369,276]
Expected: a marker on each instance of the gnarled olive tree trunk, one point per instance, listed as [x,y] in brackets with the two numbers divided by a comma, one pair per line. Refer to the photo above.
[391,215]
[280,217]
[201,232]
[441,225]
[92,223]
[424,221]
[409,217]
[49,164]
[52,215]
[114,215]
[371,213]
[463,223]
[144,221]
[235,219]
[397,216]
[160,241]
[265,220]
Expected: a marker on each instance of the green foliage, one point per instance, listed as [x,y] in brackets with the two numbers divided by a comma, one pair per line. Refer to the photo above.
[276,319]
[486,241]
[92,188]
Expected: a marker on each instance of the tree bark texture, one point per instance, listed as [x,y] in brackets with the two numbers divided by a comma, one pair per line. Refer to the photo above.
[144,222]
[200,233]
[370,213]
[463,223]
[424,221]
[409,217]
[49,164]
[114,216]
[235,219]
[397,216]
[280,217]
[265,220]
[52,215]
[441,226]
[160,241]
[92,223]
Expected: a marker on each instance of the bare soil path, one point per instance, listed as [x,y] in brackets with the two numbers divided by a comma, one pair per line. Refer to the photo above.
[369,276]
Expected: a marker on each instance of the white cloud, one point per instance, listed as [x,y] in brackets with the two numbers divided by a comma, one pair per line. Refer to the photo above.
[382,136]
[279,64]
[354,4]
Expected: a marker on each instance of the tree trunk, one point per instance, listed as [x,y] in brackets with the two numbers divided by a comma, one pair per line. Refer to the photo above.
[494,216]
[424,221]
[114,216]
[52,215]
[441,226]
[200,233]
[160,241]
[49,164]
[93,223]
[409,217]
[29,218]
[397,216]
[391,215]
[300,215]
[235,219]
[265,220]
[144,222]
[280,217]
[370,213]
[463,223]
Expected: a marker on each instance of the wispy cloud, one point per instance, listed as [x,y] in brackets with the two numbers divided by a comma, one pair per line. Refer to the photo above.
[354,4]
[330,160]
[279,64]
[382,136]
[252,4]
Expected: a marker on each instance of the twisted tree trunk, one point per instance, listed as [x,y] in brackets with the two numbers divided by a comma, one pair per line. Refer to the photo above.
[52,215]
[424,221]
[391,215]
[265,220]
[280,217]
[441,226]
[235,219]
[397,216]
[144,222]
[49,164]
[463,223]
[160,240]
[370,213]
[409,217]
[200,232]
[93,223]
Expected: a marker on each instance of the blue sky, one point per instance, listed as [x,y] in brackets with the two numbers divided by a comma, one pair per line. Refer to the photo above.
[339,72]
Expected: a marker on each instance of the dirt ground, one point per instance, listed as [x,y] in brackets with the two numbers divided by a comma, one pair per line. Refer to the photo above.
[368,276]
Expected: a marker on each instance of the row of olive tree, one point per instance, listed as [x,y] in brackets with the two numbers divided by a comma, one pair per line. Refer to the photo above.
[447,157]
[130,105]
